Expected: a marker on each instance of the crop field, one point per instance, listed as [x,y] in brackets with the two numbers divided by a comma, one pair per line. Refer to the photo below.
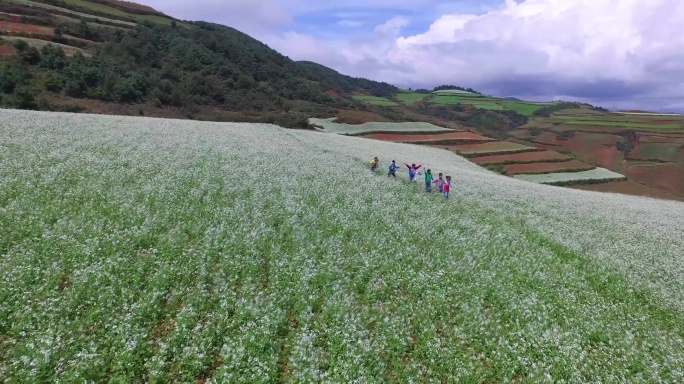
[97,7]
[548,167]
[526,109]
[520,158]
[374,100]
[427,139]
[561,178]
[663,152]
[496,147]
[143,250]
[330,126]
[410,97]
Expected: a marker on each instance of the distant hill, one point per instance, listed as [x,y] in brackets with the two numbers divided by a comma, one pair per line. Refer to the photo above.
[111,56]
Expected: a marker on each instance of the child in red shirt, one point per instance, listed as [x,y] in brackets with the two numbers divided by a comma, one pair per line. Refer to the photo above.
[447,186]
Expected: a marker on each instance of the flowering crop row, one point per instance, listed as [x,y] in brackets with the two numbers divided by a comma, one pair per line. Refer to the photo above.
[140,249]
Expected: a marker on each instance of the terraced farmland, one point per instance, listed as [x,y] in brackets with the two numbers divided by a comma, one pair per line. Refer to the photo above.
[647,148]
[503,156]
[548,167]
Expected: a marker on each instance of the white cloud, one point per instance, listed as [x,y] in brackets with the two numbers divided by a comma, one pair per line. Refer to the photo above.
[634,44]
[610,51]
[349,23]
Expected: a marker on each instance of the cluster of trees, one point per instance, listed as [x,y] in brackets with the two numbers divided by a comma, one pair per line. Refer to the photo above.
[446,87]
[454,87]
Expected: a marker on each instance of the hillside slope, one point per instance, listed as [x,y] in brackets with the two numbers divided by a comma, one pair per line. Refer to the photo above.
[139,249]
[112,58]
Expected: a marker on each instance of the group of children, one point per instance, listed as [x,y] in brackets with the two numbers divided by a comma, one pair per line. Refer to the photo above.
[443,185]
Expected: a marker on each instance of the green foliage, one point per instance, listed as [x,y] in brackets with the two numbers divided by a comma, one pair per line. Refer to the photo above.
[52,57]
[9,78]
[549,110]
[456,87]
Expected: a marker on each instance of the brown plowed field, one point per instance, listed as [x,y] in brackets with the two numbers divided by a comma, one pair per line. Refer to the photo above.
[402,138]
[628,188]
[6,26]
[666,177]
[520,158]
[346,116]
[565,166]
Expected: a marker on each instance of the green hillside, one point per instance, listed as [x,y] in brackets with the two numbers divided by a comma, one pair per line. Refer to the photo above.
[141,61]
[155,250]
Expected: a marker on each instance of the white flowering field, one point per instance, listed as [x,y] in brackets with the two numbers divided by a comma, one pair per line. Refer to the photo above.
[330,126]
[597,174]
[151,250]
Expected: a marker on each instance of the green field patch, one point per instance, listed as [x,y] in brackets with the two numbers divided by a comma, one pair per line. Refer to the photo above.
[661,152]
[97,7]
[526,109]
[374,100]
[410,97]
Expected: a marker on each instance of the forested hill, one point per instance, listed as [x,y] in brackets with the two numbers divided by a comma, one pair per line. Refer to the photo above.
[109,56]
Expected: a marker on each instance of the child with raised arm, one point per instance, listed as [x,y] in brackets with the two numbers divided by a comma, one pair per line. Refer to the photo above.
[439,183]
[447,186]
[428,180]
[393,169]
[412,171]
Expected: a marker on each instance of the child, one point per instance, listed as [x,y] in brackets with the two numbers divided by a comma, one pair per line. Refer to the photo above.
[393,169]
[447,186]
[412,171]
[428,180]
[374,164]
[439,183]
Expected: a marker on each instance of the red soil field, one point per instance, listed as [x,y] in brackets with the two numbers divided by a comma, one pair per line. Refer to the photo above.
[665,177]
[10,17]
[7,50]
[520,158]
[398,137]
[346,116]
[572,165]
[332,93]
[6,26]
[628,188]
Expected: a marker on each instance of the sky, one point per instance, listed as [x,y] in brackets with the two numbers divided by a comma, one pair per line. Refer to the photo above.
[618,54]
